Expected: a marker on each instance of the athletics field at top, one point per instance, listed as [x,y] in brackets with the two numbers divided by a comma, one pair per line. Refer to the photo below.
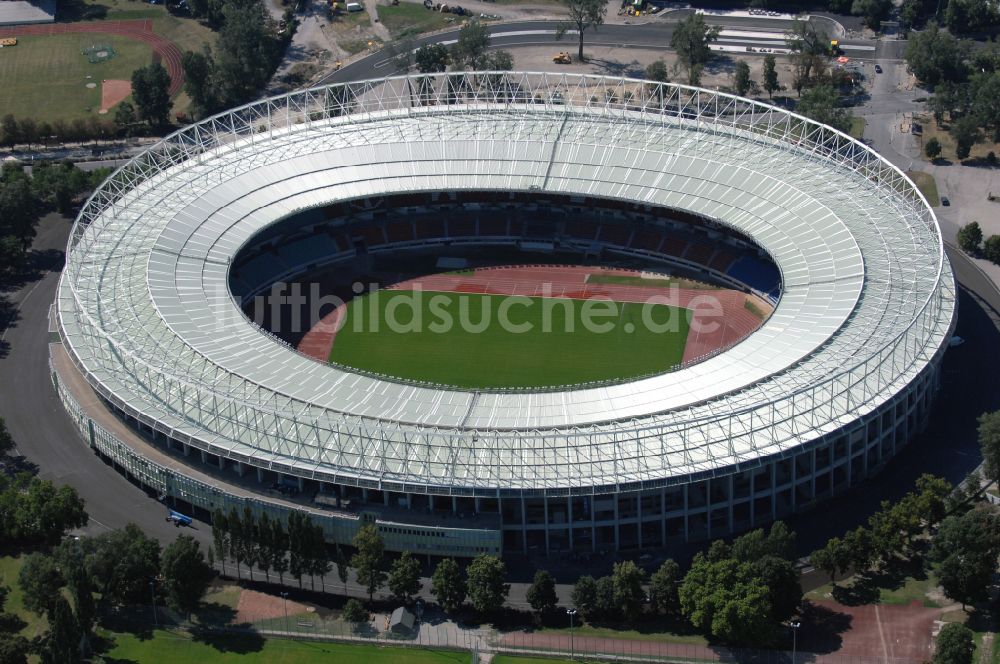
[480,341]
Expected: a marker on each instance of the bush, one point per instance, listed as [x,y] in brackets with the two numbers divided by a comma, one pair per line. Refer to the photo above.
[954,645]
[970,237]
[932,149]
[991,249]
[353,612]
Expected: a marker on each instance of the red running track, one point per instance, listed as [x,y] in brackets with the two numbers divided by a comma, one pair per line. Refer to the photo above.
[719,316]
[137,29]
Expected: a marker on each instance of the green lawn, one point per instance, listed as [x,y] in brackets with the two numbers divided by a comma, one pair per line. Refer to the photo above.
[408,19]
[45,78]
[629,280]
[461,339]
[857,129]
[630,635]
[248,649]
[911,590]
[927,185]
[512,659]
[9,569]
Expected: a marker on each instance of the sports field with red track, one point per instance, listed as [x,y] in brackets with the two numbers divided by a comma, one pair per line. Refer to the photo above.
[533,326]
[139,29]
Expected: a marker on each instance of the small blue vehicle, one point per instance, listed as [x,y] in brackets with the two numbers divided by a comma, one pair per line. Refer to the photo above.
[179,519]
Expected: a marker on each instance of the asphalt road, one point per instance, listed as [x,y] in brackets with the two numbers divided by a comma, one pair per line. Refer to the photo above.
[653,35]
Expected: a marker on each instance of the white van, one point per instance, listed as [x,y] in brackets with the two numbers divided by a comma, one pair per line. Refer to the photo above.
[355,7]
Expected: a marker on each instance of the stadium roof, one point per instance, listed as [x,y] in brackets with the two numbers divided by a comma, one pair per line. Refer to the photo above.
[867,302]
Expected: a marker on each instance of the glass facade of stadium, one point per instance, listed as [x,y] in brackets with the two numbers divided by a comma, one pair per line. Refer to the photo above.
[167,379]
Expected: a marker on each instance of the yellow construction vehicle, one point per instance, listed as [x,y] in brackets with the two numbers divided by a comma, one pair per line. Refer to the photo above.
[562,58]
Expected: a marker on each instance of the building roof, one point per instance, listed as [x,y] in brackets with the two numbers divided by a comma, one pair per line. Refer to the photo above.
[868,296]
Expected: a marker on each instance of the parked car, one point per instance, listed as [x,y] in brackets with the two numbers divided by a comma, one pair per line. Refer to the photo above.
[878,69]
[944,201]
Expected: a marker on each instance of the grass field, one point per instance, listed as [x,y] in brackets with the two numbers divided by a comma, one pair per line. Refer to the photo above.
[9,569]
[408,19]
[247,649]
[548,342]
[45,78]
[628,280]
[642,634]
[927,185]
[857,129]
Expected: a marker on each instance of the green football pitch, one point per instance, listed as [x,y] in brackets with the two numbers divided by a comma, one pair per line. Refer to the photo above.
[493,341]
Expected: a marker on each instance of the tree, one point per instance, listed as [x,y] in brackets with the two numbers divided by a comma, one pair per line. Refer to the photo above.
[584,596]
[220,536]
[727,600]
[965,132]
[198,83]
[989,423]
[9,130]
[368,561]
[821,104]
[604,592]
[784,589]
[629,596]
[778,541]
[19,211]
[297,545]
[71,558]
[808,48]
[991,250]
[966,547]
[246,54]
[13,646]
[279,549]
[741,80]
[353,612]
[932,149]
[663,588]
[833,558]
[581,16]
[404,577]
[40,581]
[6,440]
[343,567]
[185,574]
[319,563]
[770,77]
[431,58]
[692,40]
[151,93]
[485,583]
[123,563]
[541,593]
[125,118]
[954,645]
[873,12]
[935,56]
[448,586]
[470,49]
[970,16]
[263,534]
[62,643]
[498,61]
[657,71]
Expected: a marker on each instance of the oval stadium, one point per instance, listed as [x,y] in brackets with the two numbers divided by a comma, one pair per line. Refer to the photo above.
[189,358]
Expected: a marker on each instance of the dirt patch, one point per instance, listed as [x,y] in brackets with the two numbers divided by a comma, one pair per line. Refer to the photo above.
[113,92]
[889,632]
[254,606]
